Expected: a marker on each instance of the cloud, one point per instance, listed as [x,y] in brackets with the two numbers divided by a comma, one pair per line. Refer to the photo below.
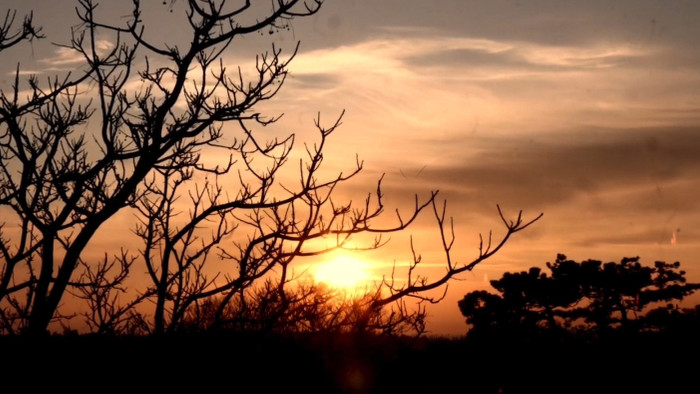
[536,21]
[447,51]
[439,81]
[64,56]
[312,81]
[528,124]
[26,72]
[556,168]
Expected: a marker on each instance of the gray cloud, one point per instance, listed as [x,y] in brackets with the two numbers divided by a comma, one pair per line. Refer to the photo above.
[513,59]
[313,80]
[660,235]
[466,56]
[565,22]
[557,168]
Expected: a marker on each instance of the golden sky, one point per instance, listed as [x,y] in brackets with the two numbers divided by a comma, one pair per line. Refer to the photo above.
[588,112]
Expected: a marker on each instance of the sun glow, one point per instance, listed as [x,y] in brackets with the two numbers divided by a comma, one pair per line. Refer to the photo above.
[344,272]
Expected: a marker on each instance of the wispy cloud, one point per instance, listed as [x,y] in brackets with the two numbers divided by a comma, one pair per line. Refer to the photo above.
[64,56]
[451,83]
[26,72]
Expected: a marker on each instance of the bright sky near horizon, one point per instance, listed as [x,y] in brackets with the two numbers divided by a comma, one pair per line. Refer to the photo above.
[588,112]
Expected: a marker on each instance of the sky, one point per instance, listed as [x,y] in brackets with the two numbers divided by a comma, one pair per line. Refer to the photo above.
[587,112]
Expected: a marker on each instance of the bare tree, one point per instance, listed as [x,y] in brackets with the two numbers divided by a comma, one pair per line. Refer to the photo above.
[87,145]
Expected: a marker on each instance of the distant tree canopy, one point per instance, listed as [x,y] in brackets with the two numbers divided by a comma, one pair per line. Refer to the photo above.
[588,297]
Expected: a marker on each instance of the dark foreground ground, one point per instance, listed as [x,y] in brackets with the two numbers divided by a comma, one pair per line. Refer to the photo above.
[347,364]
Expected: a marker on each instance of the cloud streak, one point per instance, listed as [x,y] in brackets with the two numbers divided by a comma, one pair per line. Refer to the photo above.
[64,56]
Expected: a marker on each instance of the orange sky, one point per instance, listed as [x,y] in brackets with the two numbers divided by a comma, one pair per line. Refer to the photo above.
[586,111]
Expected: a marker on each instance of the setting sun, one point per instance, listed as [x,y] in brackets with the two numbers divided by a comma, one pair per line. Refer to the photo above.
[343,271]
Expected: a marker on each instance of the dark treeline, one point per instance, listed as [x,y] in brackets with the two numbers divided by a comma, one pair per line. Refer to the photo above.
[345,363]
[653,351]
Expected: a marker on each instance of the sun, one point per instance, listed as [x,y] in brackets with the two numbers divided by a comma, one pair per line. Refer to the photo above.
[343,271]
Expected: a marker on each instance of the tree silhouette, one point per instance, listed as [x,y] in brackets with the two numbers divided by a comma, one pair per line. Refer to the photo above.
[587,297]
[135,129]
